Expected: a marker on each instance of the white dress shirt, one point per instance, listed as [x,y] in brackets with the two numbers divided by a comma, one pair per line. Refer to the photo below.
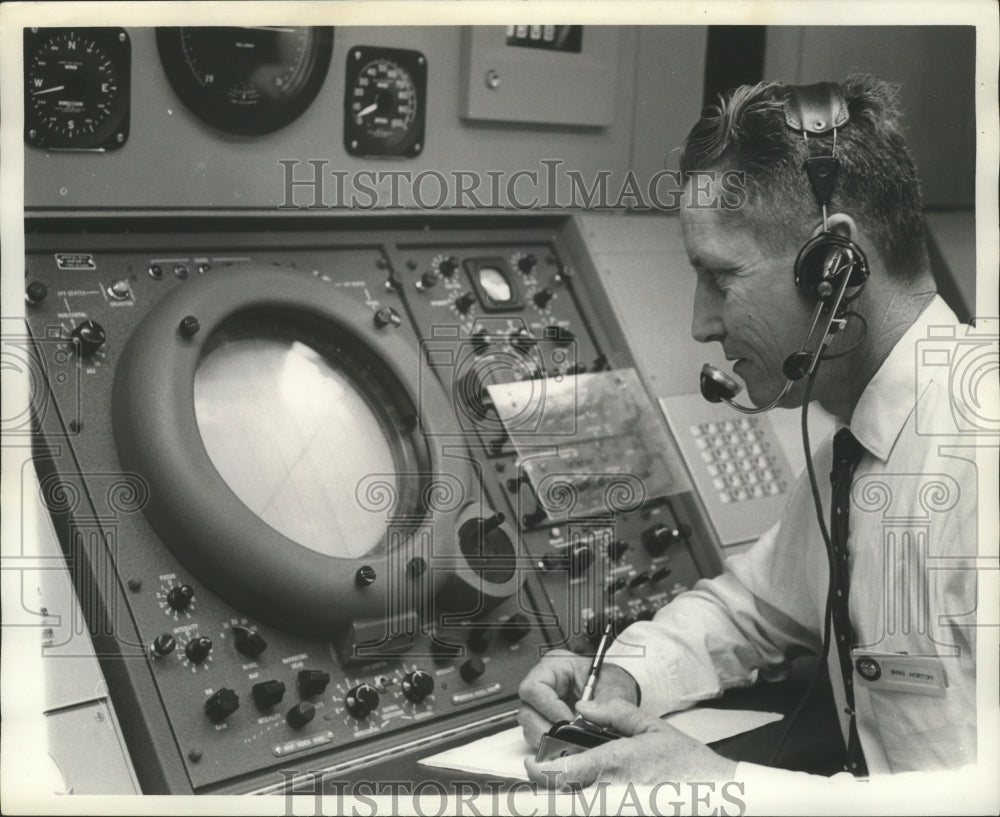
[913,543]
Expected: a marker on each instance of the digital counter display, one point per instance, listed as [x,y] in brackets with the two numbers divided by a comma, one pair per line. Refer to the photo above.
[550,38]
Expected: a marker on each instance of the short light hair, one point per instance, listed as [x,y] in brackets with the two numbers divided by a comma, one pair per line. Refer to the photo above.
[746,131]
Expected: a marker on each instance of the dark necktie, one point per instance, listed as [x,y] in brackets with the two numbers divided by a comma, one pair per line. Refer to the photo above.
[846,453]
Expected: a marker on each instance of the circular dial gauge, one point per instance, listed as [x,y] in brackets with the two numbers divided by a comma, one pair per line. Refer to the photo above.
[384,102]
[76,87]
[246,80]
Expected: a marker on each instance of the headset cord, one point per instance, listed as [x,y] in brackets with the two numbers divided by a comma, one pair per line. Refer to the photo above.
[817,501]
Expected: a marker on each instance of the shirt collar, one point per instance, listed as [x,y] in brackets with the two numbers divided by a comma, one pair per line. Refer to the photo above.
[890,396]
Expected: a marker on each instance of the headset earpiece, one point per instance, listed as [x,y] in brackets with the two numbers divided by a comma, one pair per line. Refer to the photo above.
[823,262]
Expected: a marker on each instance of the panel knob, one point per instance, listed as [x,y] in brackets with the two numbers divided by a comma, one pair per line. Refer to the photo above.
[300,714]
[465,302]
[180,597]
[221,705]
[638,580]
[429,279]
[472,668]
[448,266]
[312,682]
[90,335]
[386,316]
[543,296]
[417,685]
[617,549]
[526,263]
[249,642]
[362,700]
[198,648]
[36,292]
[660,574]
[659,537]
[267,693]
[162,645]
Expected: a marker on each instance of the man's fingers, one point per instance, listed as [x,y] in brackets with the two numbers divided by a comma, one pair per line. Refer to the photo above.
[534,725]
[572,771]
[544,688]
[618,715]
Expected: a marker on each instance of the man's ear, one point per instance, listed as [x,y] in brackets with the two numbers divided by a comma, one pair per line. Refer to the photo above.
[840,223]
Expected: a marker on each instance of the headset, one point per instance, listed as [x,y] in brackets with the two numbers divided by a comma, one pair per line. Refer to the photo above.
[830,269]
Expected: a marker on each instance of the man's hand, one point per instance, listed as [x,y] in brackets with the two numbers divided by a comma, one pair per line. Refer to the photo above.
[556,683]
[651,752]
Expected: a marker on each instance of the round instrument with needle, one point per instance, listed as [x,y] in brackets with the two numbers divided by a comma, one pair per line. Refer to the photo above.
[384,102]
[76,94]
[250,80]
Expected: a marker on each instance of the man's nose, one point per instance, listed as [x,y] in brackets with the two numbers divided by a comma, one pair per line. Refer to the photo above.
[706,318]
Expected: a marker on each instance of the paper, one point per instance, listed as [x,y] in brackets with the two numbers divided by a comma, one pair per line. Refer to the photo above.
[503,754]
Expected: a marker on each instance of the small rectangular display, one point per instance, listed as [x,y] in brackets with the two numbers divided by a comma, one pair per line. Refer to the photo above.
[550,38]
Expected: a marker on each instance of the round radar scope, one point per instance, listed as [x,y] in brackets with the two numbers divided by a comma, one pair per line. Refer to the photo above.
[278,430]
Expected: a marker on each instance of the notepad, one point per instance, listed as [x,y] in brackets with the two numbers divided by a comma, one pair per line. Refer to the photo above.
[503,754]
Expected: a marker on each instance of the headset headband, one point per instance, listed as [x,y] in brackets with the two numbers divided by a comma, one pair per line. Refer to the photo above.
[818,109]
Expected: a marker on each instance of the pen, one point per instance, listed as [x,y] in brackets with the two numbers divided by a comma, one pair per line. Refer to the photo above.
[595,668]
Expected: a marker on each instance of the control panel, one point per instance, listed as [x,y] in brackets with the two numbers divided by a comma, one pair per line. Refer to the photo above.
[332,488]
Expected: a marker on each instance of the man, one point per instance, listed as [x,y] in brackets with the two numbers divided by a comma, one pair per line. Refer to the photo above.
[770,604]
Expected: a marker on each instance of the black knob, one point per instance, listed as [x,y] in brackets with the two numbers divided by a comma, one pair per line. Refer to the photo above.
[300,714]
[162,645]
[249,642]
[526,263]
[617,549]
[429,279]
[660,574]
[198,648]
[638,580]
[580,559]
[387,316]
[472,668]
[479,638]
[535,518]
[36,292]
[645,614]
[515,628]
[268,693]
[312,682]
[362,700]
[465,302]
[448,266]
[616,584]
[90,335]
[365,576]
[522,339]
[659,537]
[417,685]
[221,705]
[543,296]
[180,597]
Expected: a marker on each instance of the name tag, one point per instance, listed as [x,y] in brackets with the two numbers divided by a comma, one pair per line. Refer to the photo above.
[892,672]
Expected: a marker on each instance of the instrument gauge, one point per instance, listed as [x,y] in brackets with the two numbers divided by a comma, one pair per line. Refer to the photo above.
[384,102]
[76,88]
[248,81]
